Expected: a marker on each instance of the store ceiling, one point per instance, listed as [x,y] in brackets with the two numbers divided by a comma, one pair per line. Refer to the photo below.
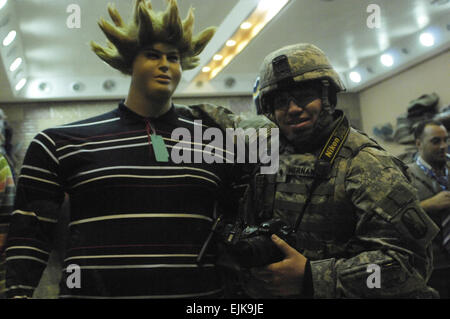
[56,59]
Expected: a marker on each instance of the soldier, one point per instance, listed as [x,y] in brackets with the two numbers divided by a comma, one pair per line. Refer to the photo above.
[348,199]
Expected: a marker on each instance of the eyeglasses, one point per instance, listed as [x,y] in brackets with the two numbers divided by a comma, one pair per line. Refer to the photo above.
[280,100]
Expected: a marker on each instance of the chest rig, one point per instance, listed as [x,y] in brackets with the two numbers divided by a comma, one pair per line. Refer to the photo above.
[308,192]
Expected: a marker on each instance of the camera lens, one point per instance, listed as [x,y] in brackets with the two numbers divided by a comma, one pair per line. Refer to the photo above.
[257,251]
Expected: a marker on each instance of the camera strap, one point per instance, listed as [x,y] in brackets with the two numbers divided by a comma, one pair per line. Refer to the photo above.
[324,162]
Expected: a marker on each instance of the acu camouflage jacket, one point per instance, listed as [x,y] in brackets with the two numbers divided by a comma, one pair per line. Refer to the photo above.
[364,212]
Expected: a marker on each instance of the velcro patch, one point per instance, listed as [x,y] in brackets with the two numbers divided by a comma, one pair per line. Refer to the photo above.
[414,223]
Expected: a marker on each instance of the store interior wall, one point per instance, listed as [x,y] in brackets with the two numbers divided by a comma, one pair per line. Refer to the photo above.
[385,101]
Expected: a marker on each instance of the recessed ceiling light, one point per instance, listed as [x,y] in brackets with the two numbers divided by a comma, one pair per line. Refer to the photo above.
[77,86]
[17,62]
[44,87]
[230,43]
[387,60]
[355,77]
[214,72]
[246,25]
[242,45]
[230,82]
[2,4]
[217,57]
[206,69]
[422,20]
[426,39]
[109,85]
[257,28]
[227,60]
[9,38]
[21,84]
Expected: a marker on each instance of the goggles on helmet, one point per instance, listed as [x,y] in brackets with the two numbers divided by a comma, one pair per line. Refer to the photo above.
[280,100]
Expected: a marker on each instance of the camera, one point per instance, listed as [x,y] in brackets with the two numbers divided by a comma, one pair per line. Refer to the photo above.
[251,246]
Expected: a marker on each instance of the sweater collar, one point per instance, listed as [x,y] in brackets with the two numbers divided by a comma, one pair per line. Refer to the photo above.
[130,116]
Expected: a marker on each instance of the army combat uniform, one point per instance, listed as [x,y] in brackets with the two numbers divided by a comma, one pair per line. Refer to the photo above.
[350,202]
[362,212]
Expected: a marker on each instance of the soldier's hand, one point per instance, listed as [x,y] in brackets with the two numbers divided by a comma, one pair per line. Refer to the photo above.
[284,278]
[437,202]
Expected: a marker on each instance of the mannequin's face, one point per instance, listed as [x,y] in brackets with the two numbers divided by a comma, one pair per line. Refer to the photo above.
[157,70]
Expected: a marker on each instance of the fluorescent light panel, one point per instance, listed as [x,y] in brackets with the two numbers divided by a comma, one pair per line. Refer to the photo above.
[9,38]
[21,84]
[17,62]
[258,19]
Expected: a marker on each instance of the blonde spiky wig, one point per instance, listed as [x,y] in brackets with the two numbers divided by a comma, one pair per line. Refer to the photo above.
[148,27]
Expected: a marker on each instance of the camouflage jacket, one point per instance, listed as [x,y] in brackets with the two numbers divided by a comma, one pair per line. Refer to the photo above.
[363,213]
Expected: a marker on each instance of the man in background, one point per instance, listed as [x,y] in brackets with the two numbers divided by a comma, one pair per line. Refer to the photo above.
[430,176]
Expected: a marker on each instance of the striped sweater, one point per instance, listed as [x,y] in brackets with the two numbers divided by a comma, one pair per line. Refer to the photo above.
[136,225]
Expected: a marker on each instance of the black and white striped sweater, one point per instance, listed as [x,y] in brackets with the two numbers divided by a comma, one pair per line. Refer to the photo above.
[136,225]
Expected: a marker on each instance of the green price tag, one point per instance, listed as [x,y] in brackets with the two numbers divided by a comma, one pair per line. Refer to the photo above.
[160,149]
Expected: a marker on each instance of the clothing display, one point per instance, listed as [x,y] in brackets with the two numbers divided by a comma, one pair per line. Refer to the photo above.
[136,224]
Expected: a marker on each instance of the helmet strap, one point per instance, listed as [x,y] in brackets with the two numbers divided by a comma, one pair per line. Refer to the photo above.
[325,94]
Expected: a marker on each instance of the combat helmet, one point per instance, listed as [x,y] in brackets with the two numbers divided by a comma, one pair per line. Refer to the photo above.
[295,64]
